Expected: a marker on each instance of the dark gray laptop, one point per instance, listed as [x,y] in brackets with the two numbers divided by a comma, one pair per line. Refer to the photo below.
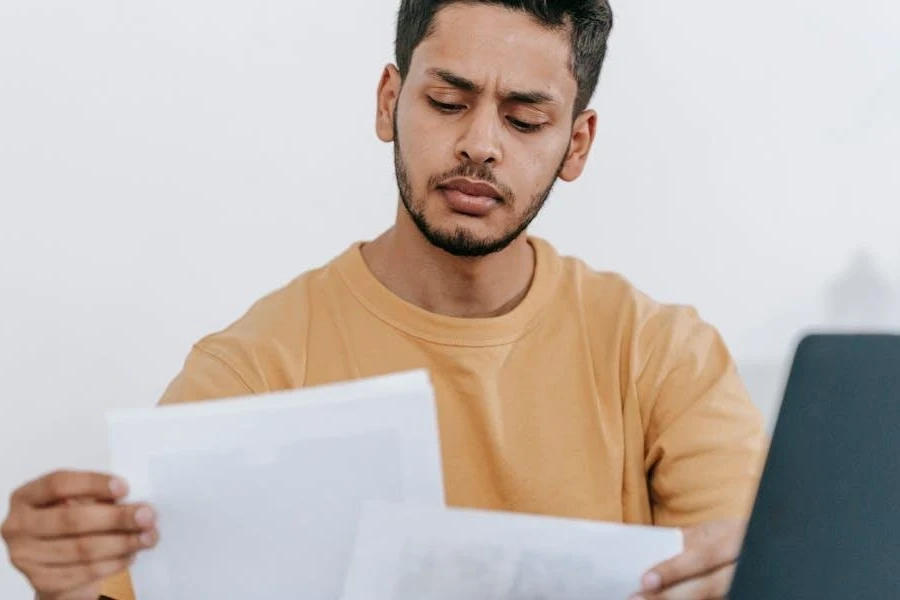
[826,522]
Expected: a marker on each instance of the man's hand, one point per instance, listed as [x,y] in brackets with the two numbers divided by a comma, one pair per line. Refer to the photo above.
[67,532]
[704,570]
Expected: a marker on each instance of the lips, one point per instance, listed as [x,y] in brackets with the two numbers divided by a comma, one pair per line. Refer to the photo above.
[477,189]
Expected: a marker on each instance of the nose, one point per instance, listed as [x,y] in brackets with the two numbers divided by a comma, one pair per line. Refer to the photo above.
[480,142]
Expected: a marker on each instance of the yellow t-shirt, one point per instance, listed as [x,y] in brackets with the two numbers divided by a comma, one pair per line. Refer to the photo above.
[588,400]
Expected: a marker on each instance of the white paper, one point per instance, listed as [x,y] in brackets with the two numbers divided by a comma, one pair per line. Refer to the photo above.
[405,552]
[259,497]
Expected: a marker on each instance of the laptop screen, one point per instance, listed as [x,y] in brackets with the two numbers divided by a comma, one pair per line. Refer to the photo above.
[826,522]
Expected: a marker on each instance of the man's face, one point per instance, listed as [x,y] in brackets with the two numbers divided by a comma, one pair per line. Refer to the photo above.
[482,126]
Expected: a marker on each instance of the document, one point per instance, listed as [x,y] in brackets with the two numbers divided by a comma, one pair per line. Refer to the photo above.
[260,497]
[406,552]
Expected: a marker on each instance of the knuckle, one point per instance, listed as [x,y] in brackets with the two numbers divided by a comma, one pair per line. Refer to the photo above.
[25,556]
[83,550]
[93,570]
[133,543]
[124,517]
[113,518]
[8,529]
[18,556]
[712,554]
[23,523]
[54,483]
[58,481]
[68,521]
[697,556]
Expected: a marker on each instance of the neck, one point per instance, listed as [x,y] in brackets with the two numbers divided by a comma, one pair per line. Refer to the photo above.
[430,278]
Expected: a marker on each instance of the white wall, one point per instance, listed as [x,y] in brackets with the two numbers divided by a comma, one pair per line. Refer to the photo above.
[165,163]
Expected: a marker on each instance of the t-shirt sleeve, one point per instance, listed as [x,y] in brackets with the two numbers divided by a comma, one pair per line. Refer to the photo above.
[705,440]
[118,587]
[210,372]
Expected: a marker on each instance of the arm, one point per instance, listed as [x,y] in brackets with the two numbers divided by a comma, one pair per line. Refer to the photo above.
[705,439]
[705,450]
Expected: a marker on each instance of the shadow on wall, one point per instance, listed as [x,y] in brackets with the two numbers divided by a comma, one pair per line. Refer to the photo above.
[861,299]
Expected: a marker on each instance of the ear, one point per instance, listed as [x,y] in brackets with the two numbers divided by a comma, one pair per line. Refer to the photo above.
[388,93]
[583,131]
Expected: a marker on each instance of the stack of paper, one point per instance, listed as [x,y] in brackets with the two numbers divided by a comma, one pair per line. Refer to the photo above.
[260,497]
[336,492]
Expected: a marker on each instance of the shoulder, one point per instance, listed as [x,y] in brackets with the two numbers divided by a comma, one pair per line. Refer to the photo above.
[276,318]
[669,361]
[653,343]
[639,322]
[263,350]
[271,337]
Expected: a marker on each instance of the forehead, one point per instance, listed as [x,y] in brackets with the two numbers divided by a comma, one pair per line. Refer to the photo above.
[495,45]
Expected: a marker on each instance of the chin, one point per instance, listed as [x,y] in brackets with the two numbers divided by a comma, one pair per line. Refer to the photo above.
[465,230]
[464,242]
[446,222]
[462,235]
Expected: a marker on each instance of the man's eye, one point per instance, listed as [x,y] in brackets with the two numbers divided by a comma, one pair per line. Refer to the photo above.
[443,107]
[525,127]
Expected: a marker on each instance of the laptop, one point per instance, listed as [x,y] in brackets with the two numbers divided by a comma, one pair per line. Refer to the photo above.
[826,520]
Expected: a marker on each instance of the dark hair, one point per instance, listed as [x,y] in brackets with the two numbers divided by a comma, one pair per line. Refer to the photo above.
[589,22]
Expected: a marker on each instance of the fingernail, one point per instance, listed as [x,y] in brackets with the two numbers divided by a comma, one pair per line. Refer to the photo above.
[636,598]
[117,486]
[651,581]
[143,516]
[147,539]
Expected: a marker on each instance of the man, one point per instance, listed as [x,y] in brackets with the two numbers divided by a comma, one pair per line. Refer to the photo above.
[561,390]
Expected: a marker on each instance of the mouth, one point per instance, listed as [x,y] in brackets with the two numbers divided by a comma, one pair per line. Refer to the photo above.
[470,198]
[475,189]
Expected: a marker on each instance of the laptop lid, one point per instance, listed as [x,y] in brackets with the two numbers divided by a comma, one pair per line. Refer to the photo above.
[826,520]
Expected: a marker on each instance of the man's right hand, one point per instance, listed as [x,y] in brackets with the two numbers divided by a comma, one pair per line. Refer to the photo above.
[68,531]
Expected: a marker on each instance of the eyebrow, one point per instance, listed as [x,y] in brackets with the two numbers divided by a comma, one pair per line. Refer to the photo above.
[467,85]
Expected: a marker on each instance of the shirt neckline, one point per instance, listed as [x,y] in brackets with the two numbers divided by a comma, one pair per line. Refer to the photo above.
[443,329]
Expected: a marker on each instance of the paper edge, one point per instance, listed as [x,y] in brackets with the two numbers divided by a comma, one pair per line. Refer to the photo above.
[321,394]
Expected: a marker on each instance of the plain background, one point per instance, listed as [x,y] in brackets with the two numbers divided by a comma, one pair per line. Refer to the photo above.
[164,164]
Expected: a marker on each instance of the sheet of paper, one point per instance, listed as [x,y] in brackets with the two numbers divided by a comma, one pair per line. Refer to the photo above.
[260,497]
[405,552]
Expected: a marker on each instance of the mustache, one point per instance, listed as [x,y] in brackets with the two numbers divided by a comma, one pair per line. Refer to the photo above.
[474,171]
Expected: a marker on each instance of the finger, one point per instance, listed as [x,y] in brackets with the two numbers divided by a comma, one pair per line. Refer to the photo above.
[61,579]
[712,586]
[689,564]
[74,520]
[717,546]
[59,485]
[82,550]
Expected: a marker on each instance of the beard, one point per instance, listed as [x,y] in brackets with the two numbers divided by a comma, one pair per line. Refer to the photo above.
[462,242]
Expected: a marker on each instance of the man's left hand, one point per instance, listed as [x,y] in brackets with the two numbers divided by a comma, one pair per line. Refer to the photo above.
[704,570]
